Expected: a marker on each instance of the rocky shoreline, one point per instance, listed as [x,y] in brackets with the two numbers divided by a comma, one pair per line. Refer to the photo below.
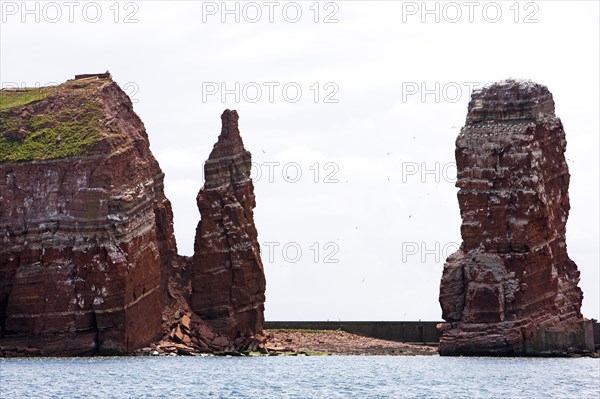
[272,343]
[89,262]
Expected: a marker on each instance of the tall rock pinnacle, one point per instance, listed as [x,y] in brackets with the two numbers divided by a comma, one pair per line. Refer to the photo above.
[511,288]
[228,281]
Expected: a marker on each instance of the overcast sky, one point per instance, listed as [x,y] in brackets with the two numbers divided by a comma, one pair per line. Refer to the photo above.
[350,110]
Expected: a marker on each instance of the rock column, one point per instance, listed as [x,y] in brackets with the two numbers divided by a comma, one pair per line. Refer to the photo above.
[228,281]
[511,289]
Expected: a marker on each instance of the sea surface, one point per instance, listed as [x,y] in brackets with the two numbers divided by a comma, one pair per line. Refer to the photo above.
[300,377]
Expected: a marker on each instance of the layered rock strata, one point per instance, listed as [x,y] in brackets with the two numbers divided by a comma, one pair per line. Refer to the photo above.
[511,289]
[228,281]
[85,226]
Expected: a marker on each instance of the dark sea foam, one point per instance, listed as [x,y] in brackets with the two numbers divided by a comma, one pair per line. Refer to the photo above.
[300,377]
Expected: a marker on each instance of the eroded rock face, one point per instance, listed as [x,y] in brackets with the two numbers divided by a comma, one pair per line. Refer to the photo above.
[228,281]
[511,288]
[85,226]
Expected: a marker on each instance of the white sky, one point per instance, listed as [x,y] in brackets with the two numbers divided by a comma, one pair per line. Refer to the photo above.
[382,225]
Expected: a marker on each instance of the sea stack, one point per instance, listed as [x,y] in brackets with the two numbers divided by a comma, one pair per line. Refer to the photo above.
[511,288]
[228,280]
[85,226]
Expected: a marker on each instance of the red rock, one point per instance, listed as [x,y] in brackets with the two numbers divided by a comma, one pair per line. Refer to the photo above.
[511,288]
[206,332]
[274,347]
[228,281]
[202,345]
[185,351]
[185,322]
[177,335]
[221,341]
[85,229]
[253,346]
[32,351]
[260,338]
[181,349]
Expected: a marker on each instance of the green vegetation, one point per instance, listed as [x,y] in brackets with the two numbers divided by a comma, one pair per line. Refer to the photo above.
[67,132]
[13,98]
[315,353]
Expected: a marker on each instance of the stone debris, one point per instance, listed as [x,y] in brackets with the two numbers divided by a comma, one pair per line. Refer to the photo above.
[295,343]
[338,342]
[190,335]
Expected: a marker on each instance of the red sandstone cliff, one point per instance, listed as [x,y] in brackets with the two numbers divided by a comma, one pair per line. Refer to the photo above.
[85,227]
[511,288]
[228,281]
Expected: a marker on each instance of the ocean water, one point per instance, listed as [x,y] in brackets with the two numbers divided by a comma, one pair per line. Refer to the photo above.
[300,377]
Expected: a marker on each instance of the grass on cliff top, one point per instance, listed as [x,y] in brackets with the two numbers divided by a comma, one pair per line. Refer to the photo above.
[13,98]
[69,131]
